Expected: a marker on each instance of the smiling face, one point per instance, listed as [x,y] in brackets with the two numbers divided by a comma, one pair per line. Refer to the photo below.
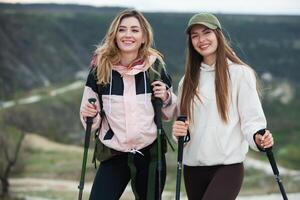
[205,42]
[129,37]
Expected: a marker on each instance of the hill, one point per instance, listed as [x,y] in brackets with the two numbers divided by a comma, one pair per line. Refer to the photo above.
[46,44]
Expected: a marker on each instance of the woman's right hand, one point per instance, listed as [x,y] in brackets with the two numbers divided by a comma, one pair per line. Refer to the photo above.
[180,128]
[89,110]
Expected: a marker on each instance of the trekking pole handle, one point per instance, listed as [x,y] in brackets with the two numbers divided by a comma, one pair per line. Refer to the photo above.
[92,101]
[270,155]
[183,118]
[181,139]
[157,103]
[262,132]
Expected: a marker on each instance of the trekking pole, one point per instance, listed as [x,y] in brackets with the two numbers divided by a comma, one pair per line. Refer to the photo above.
[157,109]
[179,159]
[274,167]
[89,122]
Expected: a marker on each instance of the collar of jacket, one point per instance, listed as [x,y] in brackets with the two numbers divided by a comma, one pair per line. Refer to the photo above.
[209,68]
[137,67]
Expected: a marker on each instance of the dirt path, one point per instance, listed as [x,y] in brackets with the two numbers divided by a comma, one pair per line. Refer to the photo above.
[36,98]
[266,167]
[33,184]
[37,142]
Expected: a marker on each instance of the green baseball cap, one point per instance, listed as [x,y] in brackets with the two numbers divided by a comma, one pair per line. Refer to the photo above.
[205,19]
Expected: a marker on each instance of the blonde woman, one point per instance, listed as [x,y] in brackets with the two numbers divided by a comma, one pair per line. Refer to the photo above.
[218,94]
[120,68]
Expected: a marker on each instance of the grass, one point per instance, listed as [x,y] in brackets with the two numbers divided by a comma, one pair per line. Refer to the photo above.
[55,165]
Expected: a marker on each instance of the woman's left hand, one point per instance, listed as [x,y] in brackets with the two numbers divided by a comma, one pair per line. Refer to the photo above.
[264,141]
[160,90]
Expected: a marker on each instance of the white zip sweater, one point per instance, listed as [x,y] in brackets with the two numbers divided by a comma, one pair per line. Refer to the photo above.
[212,141]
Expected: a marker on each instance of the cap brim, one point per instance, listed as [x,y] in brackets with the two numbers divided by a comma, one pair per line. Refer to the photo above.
[211,26]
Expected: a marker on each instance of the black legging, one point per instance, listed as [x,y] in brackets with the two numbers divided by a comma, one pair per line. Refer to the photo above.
[213,182]
[113,176]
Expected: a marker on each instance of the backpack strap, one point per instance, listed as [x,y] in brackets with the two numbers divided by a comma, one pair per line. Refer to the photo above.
[154,73]
[102,116]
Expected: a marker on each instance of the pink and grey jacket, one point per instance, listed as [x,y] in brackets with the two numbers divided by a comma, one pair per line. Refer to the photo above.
[127,105]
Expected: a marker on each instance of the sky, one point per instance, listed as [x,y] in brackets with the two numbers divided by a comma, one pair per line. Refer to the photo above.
[269,7]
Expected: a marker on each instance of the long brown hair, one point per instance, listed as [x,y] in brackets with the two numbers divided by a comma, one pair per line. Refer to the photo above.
[192,75]
[108,53]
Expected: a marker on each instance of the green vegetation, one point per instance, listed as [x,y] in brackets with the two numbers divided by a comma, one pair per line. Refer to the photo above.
[283,120]
[55,117]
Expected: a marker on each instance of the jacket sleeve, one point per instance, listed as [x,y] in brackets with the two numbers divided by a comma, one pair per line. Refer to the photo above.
[90,91]
[249,106]
[169,106]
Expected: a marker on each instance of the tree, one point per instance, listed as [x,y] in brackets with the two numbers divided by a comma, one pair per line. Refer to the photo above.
[10,144]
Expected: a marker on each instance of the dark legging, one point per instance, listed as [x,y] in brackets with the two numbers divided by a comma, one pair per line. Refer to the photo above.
[213,182]
[113,176]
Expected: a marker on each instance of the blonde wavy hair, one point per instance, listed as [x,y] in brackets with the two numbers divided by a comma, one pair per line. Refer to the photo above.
[108,53]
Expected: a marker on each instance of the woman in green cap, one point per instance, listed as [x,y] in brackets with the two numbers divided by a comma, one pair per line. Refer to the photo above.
[218,94]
